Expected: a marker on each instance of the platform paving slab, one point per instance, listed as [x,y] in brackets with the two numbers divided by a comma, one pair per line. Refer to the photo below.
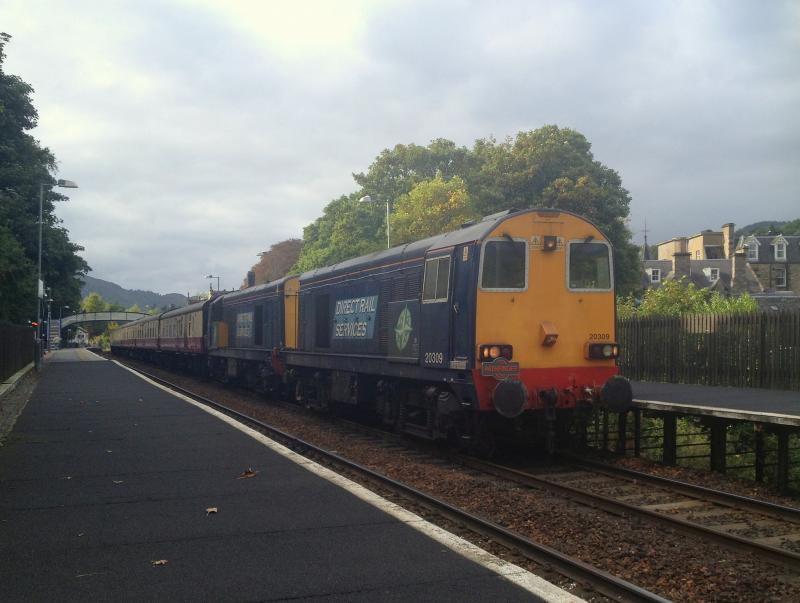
[105,473]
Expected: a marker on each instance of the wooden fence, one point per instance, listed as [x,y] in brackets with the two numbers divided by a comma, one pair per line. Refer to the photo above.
[739,350]
[16,348]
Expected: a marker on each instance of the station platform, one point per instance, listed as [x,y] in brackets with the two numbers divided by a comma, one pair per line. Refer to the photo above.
[112,488]
[778,407]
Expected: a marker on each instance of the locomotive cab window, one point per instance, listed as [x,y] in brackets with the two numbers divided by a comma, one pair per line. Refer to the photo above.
[504,265]
[437,280]
[589,266]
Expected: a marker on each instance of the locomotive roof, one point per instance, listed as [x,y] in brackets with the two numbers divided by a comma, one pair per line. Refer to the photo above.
[184,309]
[275,286]
[416,249]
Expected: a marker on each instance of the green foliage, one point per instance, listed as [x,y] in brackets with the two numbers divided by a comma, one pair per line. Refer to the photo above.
[677,298]
[431,207]
[395,172]
[24,166]
[346,229]
[791,228]
[94,303]
[17,279]
[134,308]
[548,167]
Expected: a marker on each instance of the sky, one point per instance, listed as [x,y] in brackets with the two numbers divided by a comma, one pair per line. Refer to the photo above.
[201,132]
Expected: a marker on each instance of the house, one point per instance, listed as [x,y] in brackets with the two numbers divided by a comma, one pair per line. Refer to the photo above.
[765,266]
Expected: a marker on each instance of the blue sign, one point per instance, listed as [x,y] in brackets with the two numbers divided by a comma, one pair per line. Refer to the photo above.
[354,318]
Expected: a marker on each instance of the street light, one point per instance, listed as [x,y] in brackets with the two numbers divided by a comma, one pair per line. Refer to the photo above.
[216,277]
[368,199]
[40,284]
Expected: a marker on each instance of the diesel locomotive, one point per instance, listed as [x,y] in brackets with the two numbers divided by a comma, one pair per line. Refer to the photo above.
[503,328]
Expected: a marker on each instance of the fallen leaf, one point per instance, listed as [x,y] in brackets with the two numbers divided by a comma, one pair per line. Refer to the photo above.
[247,473]
[80,534]
[67,477]
[109,451]
[211,510]
[118,481]
[159,562]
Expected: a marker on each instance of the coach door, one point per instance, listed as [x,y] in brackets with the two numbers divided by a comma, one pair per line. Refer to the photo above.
[436,309]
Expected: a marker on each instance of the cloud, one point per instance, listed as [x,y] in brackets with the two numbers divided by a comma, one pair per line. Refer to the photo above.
[203,132]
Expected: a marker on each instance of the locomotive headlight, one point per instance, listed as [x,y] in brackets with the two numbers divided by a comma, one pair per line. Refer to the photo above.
[492,351]
[602,351]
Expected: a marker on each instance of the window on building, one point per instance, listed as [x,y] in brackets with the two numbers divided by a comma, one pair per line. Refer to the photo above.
[780,277]
[752,250]
[655,275]
[504,265]
[437,279]
[697,254]
[589,266]
[780,251]
[714,275]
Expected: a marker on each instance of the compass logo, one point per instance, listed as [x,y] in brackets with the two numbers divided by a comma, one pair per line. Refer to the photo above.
[403,329]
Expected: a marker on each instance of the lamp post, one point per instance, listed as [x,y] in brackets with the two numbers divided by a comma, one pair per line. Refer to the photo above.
[368,199]
[40,284]
[216,277]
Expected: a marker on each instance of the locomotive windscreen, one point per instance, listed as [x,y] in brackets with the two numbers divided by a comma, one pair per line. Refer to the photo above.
[504,265]
[589,266]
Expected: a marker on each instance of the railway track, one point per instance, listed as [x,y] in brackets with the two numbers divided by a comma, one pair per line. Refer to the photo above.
[596,579]
[736,522]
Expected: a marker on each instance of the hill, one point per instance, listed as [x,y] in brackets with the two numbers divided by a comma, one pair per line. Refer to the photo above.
[111,292]
[760,227]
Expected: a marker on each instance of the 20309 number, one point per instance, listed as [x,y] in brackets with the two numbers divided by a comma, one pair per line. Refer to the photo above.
[599,337]
[434,358]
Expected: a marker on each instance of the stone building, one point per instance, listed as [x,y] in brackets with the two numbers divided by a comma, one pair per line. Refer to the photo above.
[765,266]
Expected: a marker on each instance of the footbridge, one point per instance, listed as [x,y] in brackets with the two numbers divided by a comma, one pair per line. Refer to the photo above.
[87,317]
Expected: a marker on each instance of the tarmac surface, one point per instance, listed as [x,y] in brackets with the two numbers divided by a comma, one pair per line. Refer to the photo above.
[750,400]
[105,474]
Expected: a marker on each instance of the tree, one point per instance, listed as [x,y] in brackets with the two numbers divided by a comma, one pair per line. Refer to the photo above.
[791,228]
[94,303]
[547,167]
[134,308]
[554,167]
[346,229]
[24,167]
[395,172]
[277,262]
[17,278]
[431,207]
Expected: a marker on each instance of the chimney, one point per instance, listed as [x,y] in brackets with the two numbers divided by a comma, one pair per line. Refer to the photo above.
[738,267]
[680,264]
[728,243]
[251,278]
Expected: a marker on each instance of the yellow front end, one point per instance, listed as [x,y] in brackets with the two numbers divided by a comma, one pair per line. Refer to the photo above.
[559,320]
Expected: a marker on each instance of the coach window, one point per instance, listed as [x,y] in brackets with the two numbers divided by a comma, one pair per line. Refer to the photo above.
[589,266]
[437,280]
[504,265]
